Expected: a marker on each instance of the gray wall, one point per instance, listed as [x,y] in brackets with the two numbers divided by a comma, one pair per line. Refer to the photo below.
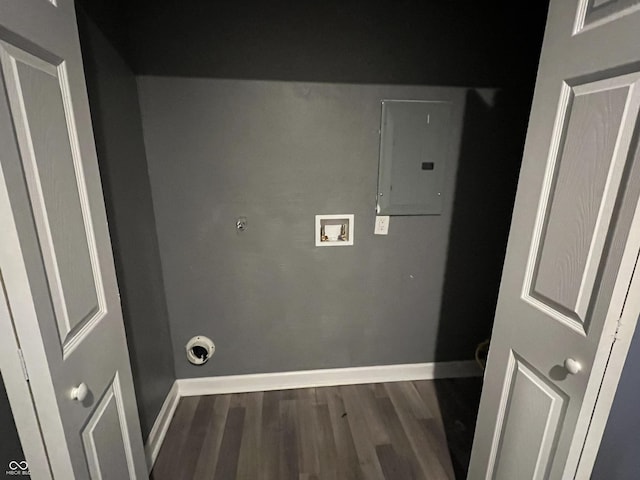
[280,153]
[618,455]
[118,132]
[10,447]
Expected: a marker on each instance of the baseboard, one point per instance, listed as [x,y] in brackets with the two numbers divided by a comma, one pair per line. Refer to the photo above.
[260,382]
[324,378]
[160,426]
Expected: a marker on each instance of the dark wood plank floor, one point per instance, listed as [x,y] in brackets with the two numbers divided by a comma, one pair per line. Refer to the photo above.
[390,431]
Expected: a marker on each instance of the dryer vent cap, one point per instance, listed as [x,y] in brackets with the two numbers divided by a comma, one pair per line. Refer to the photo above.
[199,350]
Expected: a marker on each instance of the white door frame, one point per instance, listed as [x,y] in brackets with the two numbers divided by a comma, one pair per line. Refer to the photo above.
[614,360]
[19,394]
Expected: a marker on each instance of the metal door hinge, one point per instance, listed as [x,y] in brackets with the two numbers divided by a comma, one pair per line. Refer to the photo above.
[24,365]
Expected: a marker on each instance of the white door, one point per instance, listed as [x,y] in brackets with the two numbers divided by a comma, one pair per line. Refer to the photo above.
[56,264]
[572,248]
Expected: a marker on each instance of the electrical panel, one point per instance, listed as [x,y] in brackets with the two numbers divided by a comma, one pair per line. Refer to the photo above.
[415,143]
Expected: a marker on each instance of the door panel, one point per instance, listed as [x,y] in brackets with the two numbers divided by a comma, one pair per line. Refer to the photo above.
[105,438]
[572,250]
[55,251]
[596,12]
[534,405]
[37,89]
[584,176]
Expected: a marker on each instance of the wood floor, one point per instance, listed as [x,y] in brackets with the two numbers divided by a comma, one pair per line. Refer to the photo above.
[390,431]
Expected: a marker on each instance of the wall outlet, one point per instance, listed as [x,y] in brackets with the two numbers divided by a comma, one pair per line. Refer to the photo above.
[382,225]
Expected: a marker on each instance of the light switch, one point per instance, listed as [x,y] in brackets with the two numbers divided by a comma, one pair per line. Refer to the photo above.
[382,225]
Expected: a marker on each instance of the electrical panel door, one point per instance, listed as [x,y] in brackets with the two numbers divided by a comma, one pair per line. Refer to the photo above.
[415,143]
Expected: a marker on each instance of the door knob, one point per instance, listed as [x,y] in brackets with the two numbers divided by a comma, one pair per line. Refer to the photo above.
[572,366]
[80,392]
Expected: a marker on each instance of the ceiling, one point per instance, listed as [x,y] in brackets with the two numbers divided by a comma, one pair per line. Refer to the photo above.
[445,42]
